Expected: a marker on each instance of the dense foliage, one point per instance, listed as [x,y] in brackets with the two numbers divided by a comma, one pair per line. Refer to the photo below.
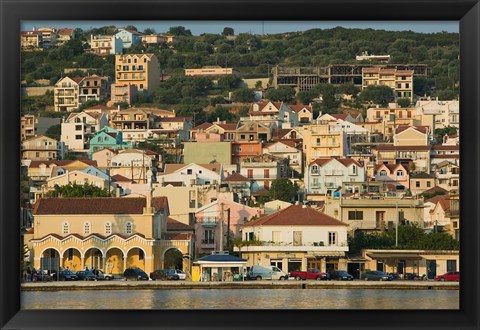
[76,190]
[409,237]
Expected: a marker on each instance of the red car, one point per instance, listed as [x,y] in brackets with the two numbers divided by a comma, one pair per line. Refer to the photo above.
[450,276]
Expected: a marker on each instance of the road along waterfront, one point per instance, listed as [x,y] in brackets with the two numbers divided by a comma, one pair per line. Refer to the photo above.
[241,295]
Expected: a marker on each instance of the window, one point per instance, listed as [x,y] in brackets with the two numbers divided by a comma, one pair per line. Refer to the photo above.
[78,127]
[108,228]
[399,173]
[78,137]
[428,184]
[189,171]
[383,173]
[86,228]
[128,228]
[100,139]
[266,173]
[354,169]
[209,236]
[355,215]
[141,86]
[332,238]
[318,141]
[315,170]
[417,184]
[451,265]
[250,173]
[66,227]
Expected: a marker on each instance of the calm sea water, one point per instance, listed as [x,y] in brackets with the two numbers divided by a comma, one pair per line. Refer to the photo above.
[243,299]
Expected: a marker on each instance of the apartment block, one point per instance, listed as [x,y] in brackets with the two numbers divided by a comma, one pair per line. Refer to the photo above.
[400,81]
[141,70]
[103,45]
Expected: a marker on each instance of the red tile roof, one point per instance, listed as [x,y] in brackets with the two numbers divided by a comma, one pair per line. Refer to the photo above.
[228,127]
[445,147]
[173,224]
[96,205]
[435,189]
[120,178]
[342,116]
[201,126]
[296,215]
[65,31]
[100,107]
[236,177]
[262,191]
[177,237]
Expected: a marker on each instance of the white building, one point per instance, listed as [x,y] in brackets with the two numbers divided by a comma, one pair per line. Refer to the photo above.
[286,149]
[325,175]
[79,128]
[439,114]
[192,174]
[298,237]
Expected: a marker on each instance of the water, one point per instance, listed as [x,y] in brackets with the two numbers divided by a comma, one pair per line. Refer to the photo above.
[242,299]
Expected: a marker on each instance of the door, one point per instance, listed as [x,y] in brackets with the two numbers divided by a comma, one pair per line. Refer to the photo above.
[431,269]
[401,267]
[380,266]
[380,219]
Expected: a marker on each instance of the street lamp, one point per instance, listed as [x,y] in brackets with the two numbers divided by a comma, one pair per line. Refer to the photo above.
[396,229]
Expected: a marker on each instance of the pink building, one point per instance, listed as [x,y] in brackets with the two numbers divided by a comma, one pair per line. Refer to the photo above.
[208,137]
[208,224]
[392,174]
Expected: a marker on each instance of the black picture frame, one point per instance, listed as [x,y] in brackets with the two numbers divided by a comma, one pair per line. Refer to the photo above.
[467,12]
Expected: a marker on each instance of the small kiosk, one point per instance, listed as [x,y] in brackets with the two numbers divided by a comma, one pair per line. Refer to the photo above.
[221,266]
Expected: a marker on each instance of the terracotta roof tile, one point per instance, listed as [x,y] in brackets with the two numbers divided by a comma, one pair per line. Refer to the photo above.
[202,126]
[236,177]
[97,205]
[296,215]
[173,224]
[37,163]
[299,107]
[120,178]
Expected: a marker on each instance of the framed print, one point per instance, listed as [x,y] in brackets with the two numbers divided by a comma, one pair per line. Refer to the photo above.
[259,164]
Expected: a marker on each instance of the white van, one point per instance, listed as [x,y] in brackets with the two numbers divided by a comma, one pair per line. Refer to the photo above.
[258,272]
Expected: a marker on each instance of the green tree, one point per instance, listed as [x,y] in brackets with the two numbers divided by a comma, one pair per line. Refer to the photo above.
[76,190]
[228,31]
[179,31]
[131,28]
[282,93]
[149,31]
[377,94]
[403,102]
[54,132]
[441,132]
[243,95]
[283,189]
[229,82]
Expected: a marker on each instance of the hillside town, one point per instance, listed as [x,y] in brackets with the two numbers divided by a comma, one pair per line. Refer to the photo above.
[344,167]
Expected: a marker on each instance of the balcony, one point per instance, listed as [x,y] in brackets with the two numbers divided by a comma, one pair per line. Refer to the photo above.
[207,244]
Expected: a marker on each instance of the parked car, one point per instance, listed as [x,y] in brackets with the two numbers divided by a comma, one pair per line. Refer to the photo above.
[376,275]
[66,275]
[41,276]
[164,275]
[181,274]
[450,276]
[135,274]
[310,274]
[259,272]
[86,275]
[339,275]
[101,276]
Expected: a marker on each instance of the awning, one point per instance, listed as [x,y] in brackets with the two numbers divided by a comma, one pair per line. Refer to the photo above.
[394,256]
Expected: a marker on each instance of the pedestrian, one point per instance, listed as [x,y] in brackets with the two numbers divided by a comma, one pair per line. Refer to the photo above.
[29,274]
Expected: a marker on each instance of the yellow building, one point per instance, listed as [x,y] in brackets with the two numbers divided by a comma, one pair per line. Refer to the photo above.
[40,148]
[141,70]
[320,141]
[31,40]
[106,233]
[400,81]
[420,262]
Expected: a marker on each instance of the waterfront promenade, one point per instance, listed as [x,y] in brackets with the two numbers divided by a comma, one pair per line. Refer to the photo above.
[142,285]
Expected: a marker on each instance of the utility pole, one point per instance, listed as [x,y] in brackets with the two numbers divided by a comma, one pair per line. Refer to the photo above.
[396,229]
[221,228]
[228,227]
